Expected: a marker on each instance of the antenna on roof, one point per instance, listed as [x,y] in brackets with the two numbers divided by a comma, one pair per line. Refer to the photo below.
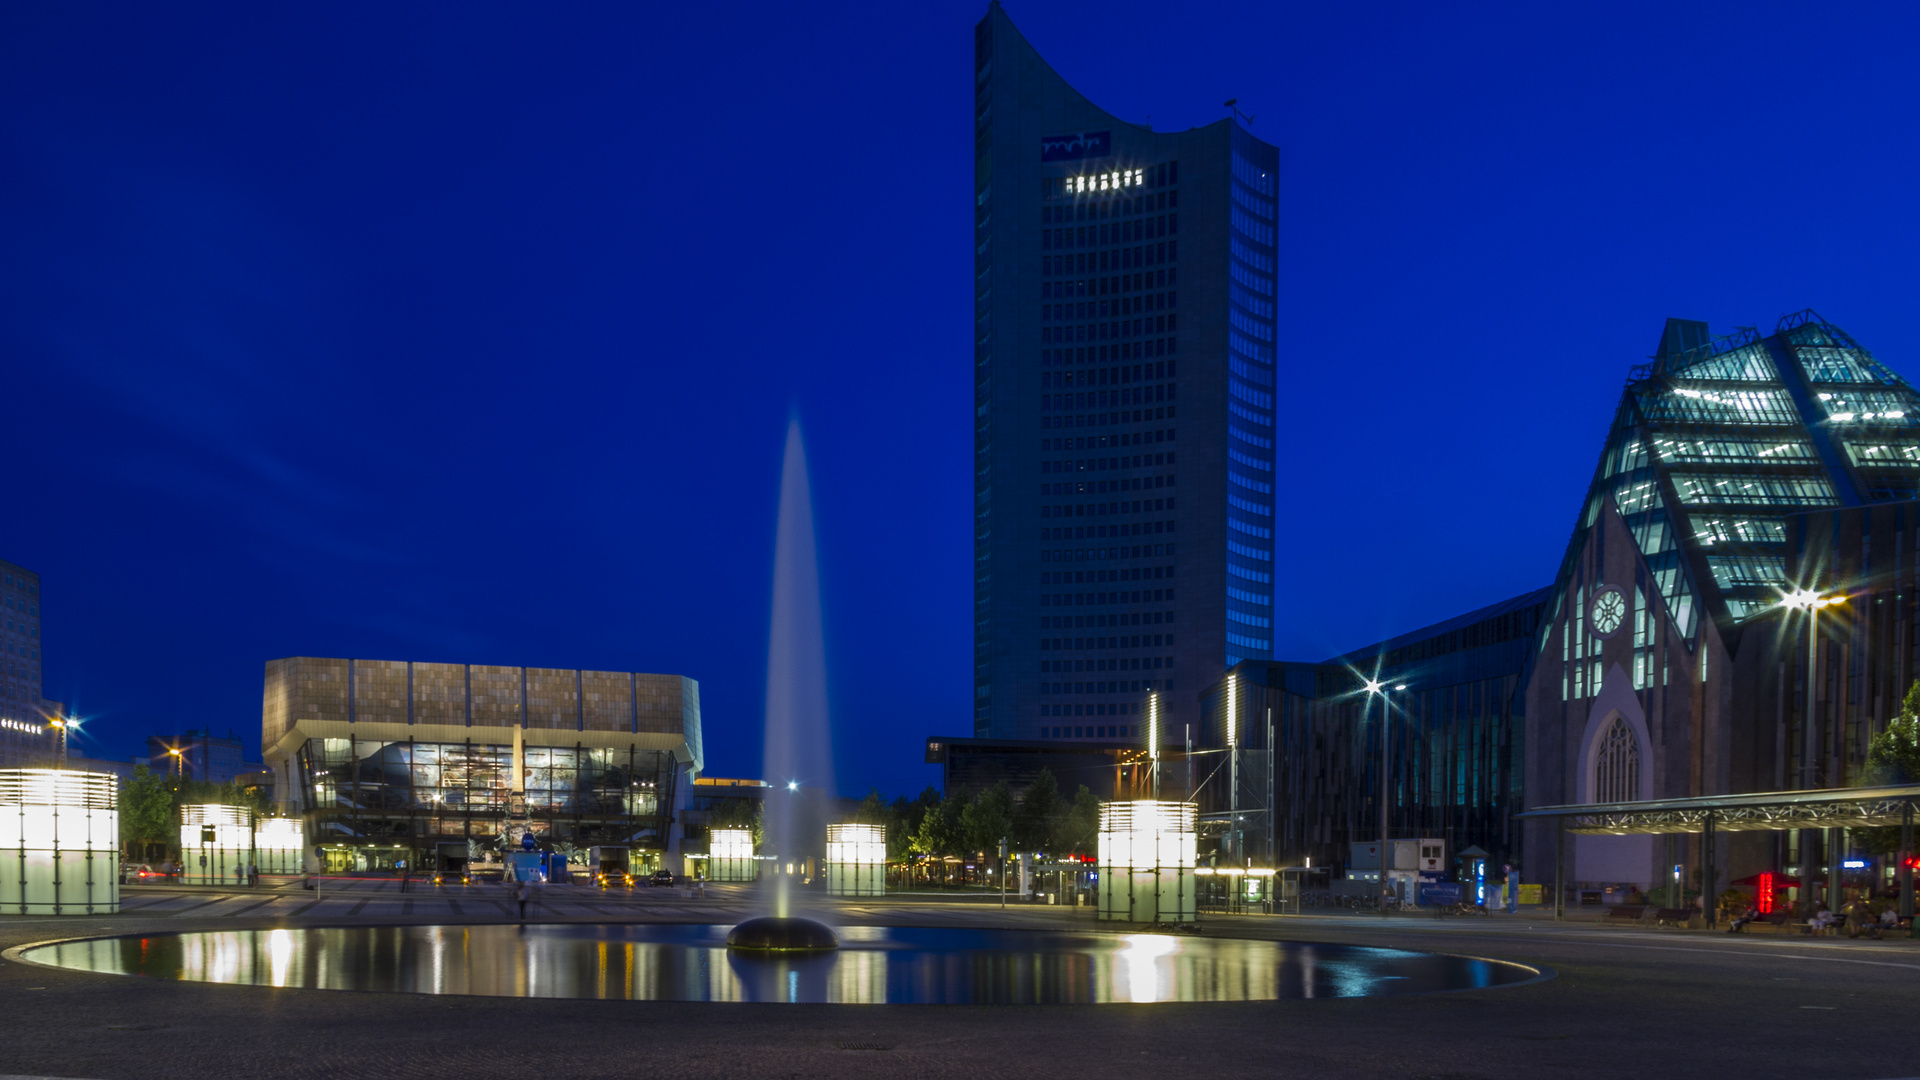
[1233,103]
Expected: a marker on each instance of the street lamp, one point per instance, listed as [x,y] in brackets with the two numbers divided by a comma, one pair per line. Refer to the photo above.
[59,724]
[1812,602]
[1375,687]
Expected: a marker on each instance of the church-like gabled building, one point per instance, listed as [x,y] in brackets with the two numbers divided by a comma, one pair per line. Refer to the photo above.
[1669,666]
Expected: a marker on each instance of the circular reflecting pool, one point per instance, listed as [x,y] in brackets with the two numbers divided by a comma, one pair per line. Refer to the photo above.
[692,963]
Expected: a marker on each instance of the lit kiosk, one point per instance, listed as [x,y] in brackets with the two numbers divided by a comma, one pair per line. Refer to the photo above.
[1146,862]
[59,842]
[730,855]
[216,840]
[856,860]
[279,845]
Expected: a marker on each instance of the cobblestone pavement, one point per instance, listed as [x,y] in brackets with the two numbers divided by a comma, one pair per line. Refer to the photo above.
[1688,1004]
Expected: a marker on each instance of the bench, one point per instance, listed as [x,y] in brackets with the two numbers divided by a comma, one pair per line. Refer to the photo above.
[1672,916]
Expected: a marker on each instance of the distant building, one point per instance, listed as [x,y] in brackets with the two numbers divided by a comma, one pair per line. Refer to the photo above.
[1110,769]
[1454,738]
[201,755]
[392,760]
[25,738]
[1124,383]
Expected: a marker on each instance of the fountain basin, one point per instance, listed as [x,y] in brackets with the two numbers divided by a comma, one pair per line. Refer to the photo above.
[873,965]
[774,933]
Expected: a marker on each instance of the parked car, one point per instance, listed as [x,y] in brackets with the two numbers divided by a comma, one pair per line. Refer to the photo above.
[661,879]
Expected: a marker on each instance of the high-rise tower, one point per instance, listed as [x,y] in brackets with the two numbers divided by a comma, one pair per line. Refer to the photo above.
[1124,396]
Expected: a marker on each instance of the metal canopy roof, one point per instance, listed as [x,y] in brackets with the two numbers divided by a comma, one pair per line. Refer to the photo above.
[1761,811]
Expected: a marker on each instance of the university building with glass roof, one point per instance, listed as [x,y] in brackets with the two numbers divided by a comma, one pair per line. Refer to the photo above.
[1738,472]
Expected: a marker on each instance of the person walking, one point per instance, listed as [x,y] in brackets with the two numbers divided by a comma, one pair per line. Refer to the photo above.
[524,894]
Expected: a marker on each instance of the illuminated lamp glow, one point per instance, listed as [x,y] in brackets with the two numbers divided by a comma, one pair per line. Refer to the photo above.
[1153,726]
[1146,862]
[216,841]
[856,860]
[730,855]
[60,842]
[279,845]
[1233,711]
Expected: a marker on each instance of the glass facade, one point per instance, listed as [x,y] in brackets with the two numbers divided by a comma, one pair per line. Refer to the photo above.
[1455,742]
[1717,440]
[364,791]
[1124,298]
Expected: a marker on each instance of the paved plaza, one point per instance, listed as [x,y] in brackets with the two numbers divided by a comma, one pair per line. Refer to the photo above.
[1689,1004]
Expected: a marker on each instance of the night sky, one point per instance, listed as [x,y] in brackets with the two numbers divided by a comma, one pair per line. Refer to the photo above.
[469,333]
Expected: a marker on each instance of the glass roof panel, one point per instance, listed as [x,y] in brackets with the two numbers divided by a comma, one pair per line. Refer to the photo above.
[1881,453]
[1711,530]
[1695,489]
[1712,449]
[1732,571]
[1748,364]
[1881,407]
[1838,366]
[1695,405]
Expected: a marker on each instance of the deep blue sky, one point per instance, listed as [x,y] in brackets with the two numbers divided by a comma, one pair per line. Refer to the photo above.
[469,333]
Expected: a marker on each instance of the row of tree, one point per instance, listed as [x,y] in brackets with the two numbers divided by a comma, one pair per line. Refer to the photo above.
[150,805]
[936,825]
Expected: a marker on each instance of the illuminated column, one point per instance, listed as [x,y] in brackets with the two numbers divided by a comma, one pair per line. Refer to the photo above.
[215,841]
[730,855]
[1146,862]
[1153,738]
[279,843]
[59,842]
[1233,768]
[856,860]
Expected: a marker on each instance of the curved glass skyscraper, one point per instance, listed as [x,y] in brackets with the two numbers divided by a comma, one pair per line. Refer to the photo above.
[1124,406]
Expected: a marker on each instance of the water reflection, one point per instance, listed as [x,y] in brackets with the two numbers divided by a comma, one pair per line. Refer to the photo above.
[691,963]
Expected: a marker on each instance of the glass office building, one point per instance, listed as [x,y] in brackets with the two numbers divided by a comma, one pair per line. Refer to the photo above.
[1306,785]
[1124,405]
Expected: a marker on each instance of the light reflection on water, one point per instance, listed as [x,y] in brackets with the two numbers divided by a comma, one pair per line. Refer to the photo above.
[691,963]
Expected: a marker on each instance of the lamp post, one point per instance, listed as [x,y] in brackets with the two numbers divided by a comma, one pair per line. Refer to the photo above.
[1233,768]
[1811,602]
[1153,739]
[1376,688]
[59,726]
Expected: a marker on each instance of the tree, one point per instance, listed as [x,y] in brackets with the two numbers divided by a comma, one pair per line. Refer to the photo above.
[1035,822]
[939,833]
[1080,825]
[988,818]
[876,810]
[1893,757]
[747,814]
[147,814]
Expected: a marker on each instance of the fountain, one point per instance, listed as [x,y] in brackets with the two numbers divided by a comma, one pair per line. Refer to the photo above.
[799,751]
[1147,856]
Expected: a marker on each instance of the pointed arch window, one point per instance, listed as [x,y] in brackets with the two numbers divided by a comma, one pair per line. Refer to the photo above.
[1616,765]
